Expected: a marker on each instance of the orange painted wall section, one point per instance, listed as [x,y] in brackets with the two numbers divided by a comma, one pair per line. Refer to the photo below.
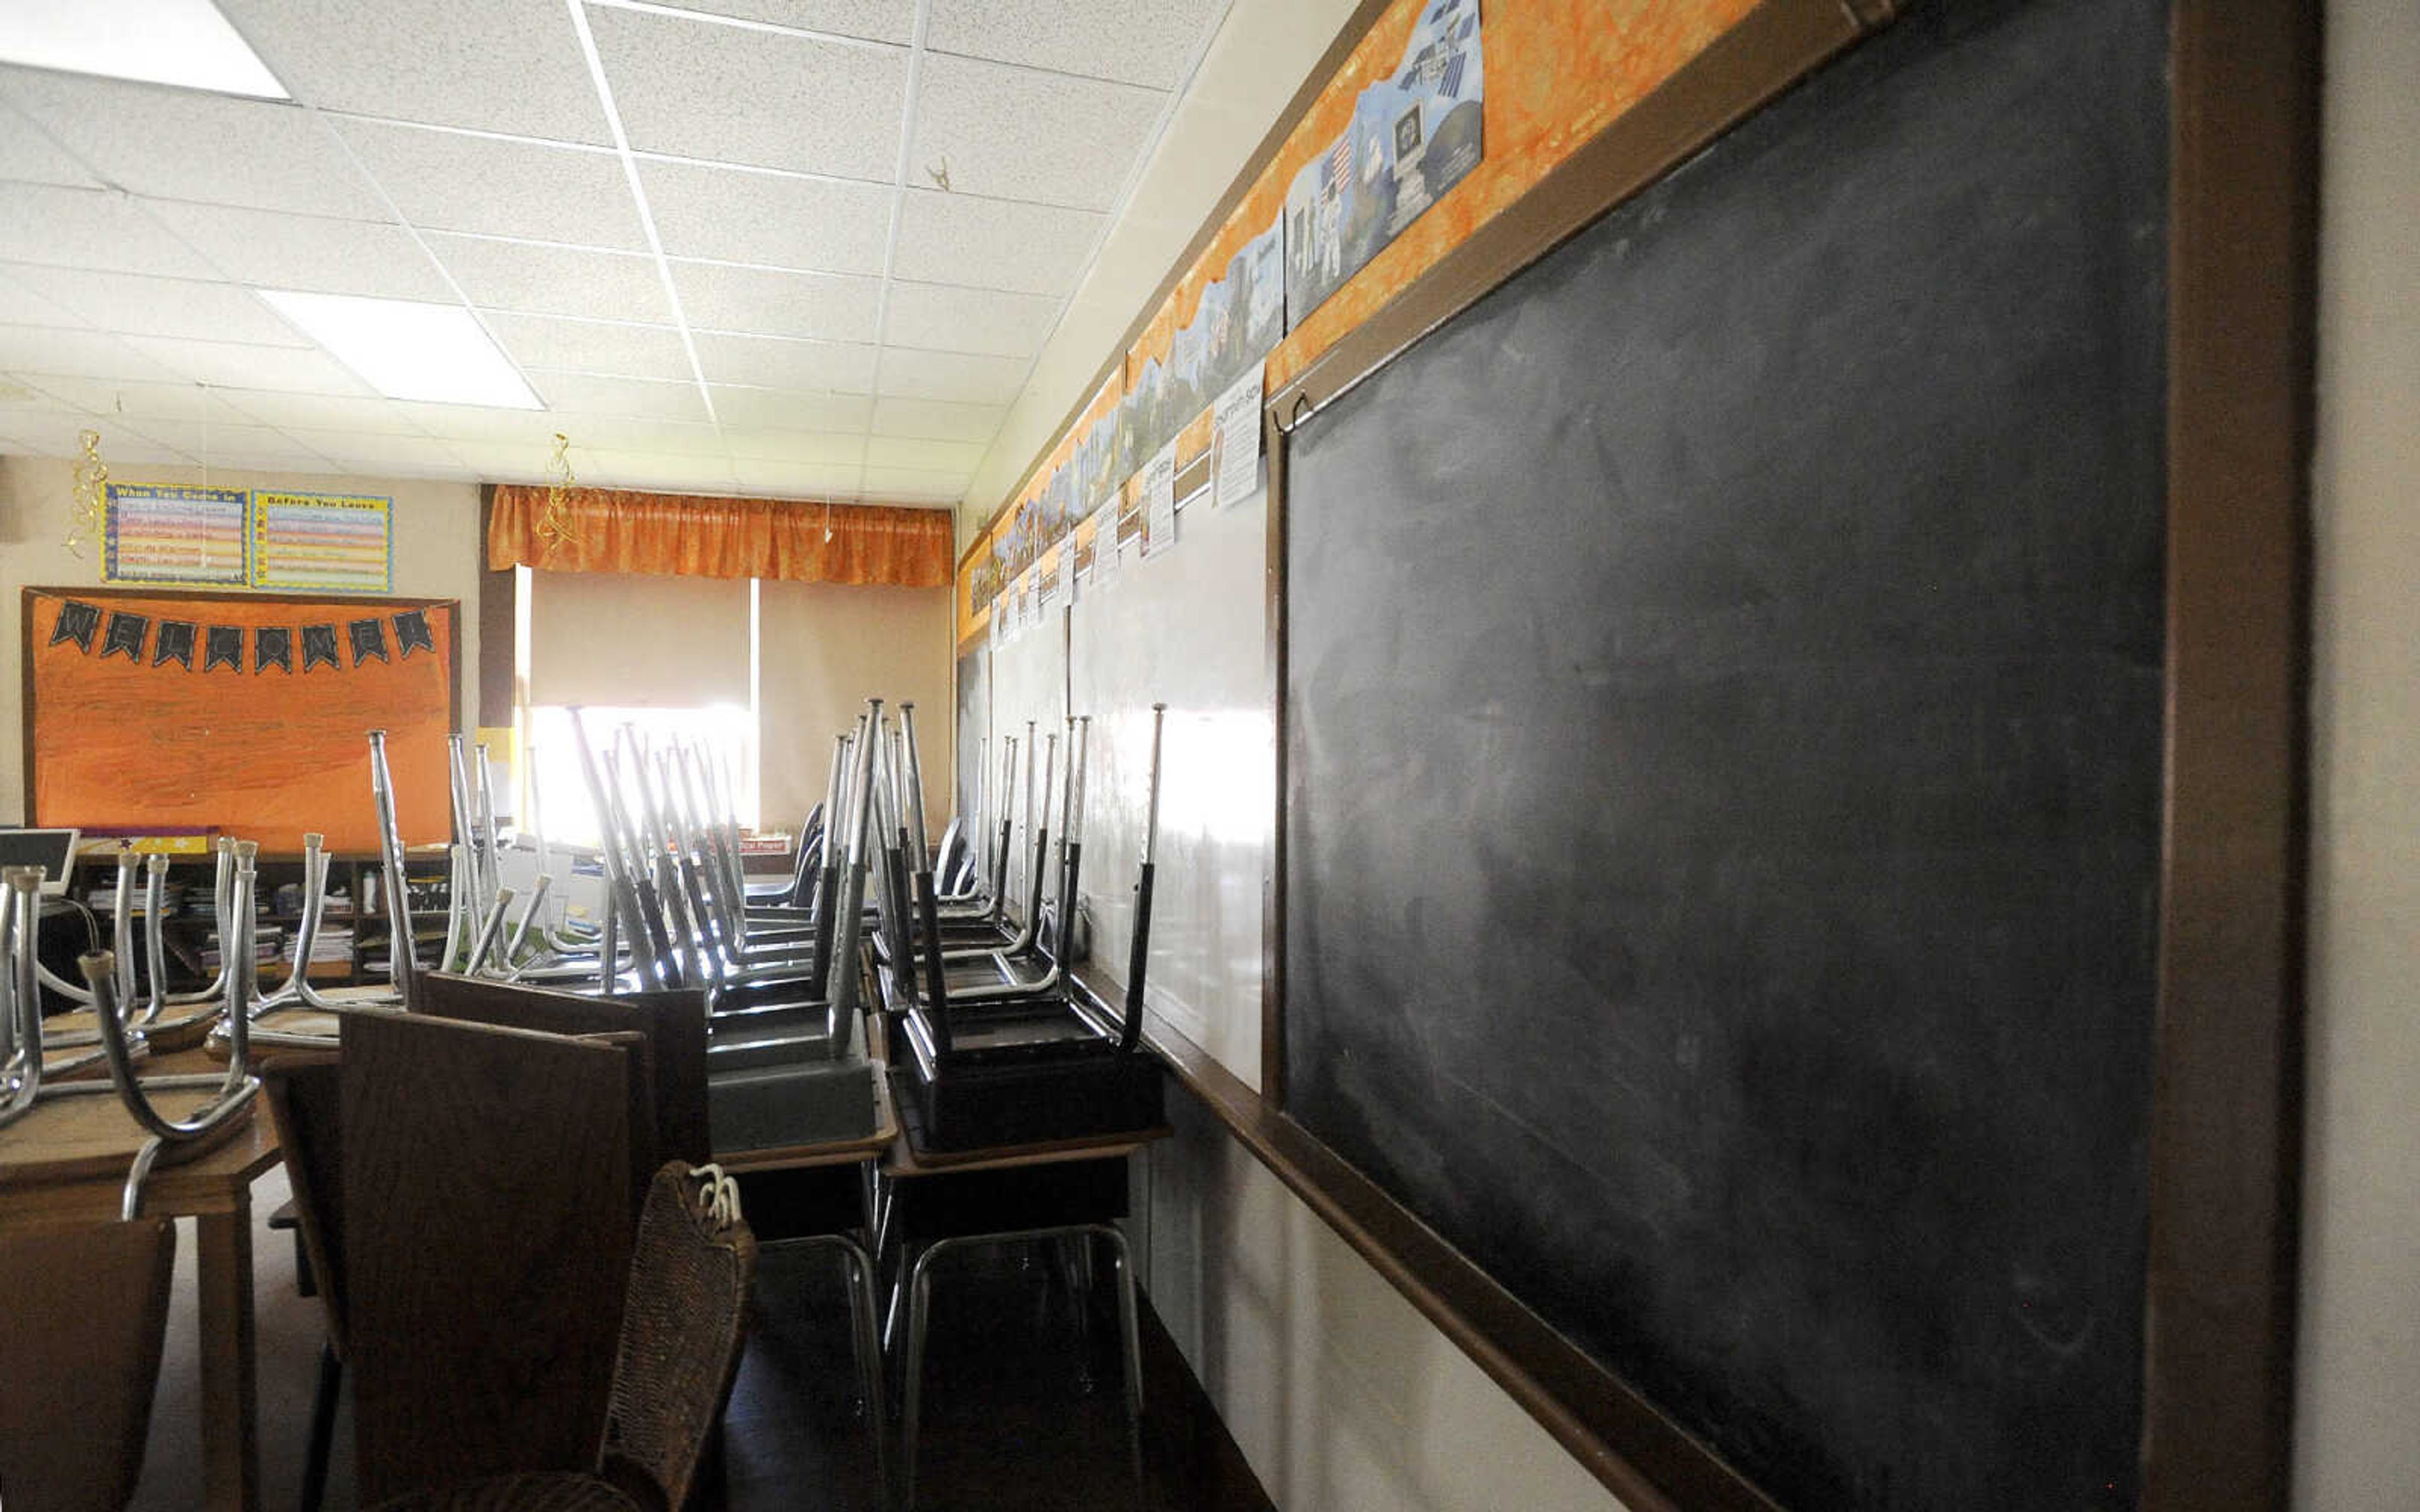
[1558,73]
[260,755]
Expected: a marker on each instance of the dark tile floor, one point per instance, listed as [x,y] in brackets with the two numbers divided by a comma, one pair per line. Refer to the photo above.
[1023,1405]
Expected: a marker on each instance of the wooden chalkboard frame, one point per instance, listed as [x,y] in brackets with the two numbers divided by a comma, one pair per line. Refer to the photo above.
[2226,1109]
[29,724]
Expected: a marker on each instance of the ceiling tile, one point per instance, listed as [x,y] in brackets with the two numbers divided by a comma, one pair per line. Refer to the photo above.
[130,305]
[308,464]
[21,394]
[758,302]
[798,480]
[27,156]
[1136,41]
[743,408]
[941,317]
[545,280]
[449,181]
[183,144]
[89,228]
[925,456]
[301,251]
[731,93]
[137,402]
[797,445]
[509,66]
[51,434]
[513,429]
[887,20]
[993,243]
[937,420]
[541,341]
[969,380]
[228,365]
[635,433]
[497,462]
[914,487]
[211,443]
[671,474]
[38,350]
[638,398]
[301,413]
[366,453]
[21,306]
[734,215]
[777,363]
[1019,133]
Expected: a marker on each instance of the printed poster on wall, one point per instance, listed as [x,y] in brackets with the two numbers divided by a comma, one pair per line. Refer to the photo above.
[1235,444]
[163,533]
[1159,497]
[322,542]
[1414,136]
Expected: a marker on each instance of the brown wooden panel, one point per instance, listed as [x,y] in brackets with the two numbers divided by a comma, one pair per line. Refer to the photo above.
[487,1177]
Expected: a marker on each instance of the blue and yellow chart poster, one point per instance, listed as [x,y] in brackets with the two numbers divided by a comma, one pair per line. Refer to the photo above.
[319,542]
[163,533]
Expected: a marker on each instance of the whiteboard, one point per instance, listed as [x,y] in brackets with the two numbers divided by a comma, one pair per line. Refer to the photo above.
[1189,628]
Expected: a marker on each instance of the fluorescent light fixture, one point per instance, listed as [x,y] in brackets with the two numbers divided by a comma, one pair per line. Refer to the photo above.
[408,350]
[181,42]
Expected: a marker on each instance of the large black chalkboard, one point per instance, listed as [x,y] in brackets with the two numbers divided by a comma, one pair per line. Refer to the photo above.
[1723,721]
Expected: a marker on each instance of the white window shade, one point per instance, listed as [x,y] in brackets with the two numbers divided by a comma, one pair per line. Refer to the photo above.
[825,649]
[627,641]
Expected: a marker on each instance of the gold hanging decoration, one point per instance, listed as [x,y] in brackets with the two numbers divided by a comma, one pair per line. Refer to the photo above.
[88,516]
[554,525]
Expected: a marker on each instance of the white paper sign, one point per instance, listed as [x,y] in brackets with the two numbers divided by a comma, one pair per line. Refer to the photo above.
[1236,442]
[1159,497]
[1068,570]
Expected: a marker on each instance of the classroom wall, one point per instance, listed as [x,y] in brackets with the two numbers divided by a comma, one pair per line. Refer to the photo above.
[436,556]
[2358,1393]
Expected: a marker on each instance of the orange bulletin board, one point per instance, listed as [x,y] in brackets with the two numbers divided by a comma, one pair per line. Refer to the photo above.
[247,713]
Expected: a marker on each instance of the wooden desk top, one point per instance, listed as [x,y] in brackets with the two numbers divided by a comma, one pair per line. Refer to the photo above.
[906,1162]
[66,1163]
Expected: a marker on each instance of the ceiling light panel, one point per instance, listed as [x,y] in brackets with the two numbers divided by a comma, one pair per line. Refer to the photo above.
[1020,133]
[263,249]
[775,363]
[89,228]
[406,349]
[509,66]
[813,225]
[884,21]
[545,280]
[731,93]
[1133,41]
[824,306]
[183,43]
[454,181]
[942,318]
[174,144]
[993,243]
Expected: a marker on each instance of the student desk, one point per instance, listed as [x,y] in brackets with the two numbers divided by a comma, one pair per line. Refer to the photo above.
[215,1189]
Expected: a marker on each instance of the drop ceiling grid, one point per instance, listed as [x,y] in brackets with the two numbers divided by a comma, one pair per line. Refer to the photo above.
[401,172]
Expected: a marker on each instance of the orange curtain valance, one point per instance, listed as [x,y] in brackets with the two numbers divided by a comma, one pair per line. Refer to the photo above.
[692,535]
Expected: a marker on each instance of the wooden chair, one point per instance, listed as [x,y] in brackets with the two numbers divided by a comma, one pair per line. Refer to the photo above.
[303,1088]
[683,1321]
[86,1314]
[488,1232]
